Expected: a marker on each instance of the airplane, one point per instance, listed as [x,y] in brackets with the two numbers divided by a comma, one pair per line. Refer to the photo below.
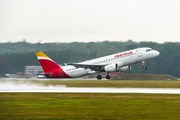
[116,62]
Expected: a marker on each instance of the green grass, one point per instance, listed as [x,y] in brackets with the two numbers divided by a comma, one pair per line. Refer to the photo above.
[119,84]
[91,106]
[84,106]
[145,77]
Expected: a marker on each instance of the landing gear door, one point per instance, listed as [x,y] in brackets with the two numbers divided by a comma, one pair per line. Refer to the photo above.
[139,52]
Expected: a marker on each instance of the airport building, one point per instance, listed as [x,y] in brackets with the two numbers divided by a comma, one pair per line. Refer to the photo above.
[33,70]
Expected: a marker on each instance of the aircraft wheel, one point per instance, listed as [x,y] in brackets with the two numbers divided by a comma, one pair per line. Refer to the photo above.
[145,67]
[108,77]
[99,77]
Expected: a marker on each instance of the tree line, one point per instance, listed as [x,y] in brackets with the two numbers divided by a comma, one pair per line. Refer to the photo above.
[15,56]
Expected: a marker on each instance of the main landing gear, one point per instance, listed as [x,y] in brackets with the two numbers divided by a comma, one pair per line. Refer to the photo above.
[108,76]
[143,63]
[99,77]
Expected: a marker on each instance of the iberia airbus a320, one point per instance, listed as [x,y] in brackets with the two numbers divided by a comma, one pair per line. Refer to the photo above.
[116,62]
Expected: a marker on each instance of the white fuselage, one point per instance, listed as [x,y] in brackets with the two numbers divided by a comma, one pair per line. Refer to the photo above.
[125,58]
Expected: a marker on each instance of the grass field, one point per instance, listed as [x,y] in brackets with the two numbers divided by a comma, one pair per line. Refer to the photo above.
[91,106]
[82,106]
[119,84]
[145,77]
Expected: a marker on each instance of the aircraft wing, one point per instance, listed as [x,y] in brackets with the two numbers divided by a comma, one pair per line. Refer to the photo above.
[86,66]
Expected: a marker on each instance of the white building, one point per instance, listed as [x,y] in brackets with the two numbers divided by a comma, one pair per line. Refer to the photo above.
[33,70]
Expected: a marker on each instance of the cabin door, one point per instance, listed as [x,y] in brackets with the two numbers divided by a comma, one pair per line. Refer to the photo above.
[139,52]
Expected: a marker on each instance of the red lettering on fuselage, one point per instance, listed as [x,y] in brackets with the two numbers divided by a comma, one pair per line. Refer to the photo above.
[123,54]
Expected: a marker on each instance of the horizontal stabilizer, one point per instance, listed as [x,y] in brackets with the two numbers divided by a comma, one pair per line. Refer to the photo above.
[48,74]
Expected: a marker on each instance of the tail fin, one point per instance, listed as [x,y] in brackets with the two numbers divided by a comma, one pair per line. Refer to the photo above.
[47,63]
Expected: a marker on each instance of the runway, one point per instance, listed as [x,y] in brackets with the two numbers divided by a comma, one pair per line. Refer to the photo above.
[25,87]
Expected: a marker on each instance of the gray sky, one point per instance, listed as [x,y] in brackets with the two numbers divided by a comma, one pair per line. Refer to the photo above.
[89,20]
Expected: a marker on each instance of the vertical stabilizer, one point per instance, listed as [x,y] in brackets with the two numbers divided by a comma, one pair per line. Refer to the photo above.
[47,63]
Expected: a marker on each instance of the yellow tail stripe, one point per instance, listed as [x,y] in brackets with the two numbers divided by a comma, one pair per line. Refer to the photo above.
[41,54]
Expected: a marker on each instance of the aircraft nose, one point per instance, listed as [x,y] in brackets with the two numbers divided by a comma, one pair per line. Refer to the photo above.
[157,53]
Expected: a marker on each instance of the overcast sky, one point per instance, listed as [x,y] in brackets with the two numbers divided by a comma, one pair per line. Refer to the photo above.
[89,20]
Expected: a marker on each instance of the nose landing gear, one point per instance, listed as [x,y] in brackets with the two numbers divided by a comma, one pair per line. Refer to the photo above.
[144,67]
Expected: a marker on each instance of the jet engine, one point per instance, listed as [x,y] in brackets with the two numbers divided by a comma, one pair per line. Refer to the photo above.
[125,68]
[113,67]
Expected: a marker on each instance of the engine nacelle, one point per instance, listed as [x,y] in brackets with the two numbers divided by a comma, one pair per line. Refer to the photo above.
[113,67]
[125,68]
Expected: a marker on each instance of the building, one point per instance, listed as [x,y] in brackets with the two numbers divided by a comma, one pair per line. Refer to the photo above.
[33,70]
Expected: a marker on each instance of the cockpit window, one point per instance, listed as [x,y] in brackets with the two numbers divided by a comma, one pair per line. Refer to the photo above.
[148,50]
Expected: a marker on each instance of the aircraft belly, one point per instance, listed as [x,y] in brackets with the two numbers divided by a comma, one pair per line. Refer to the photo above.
[77,73]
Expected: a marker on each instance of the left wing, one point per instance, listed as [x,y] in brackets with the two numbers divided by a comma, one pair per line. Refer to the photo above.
[90,66]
